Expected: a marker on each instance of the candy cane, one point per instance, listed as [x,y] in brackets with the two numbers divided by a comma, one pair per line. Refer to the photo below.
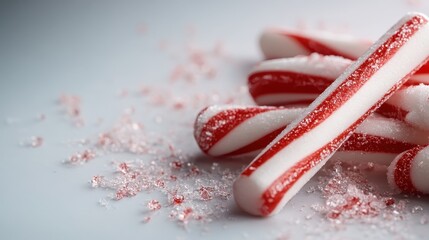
[294,156]
[237,130]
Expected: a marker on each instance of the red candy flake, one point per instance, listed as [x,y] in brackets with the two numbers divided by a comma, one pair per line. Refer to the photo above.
[147,219]
[87,155]
[123,167]
[97,181]
[389,201]
[176,164]
[121,193]
[153,205]
[349,196]
[179,104]
[194,170]
[160,183]
[104,139]
[35,142]
[178,199]
[71,106]
[185,214]
[126,191]
[206,193]
[82,157]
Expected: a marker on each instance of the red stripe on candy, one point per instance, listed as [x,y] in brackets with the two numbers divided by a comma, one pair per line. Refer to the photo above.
[402,172]
[314,46]
[392,111]
[371,143]
[262,83]
[223,123]
[423,70]
[275,192]
[293,103]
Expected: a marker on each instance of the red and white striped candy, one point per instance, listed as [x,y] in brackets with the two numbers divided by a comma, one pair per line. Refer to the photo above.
[299,80]
[236,130]
[421,76]
[292,81]
[409,171]
[276,43]
[411,105]
[232,130]
[294,156]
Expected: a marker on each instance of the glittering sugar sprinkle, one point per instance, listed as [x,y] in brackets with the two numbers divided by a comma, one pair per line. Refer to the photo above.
[148,162]
[81,157]
[349,197]
[197,63]
[192,192]
[34,142]
[127,136]
[71,106]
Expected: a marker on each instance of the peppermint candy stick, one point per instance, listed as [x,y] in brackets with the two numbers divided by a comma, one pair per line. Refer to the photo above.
[296,80]
[276,43]
[409,171]
[299,80]
[294,156]
[237,130]
[410,105]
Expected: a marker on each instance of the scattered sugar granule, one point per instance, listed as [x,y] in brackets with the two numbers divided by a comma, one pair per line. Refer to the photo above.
[81,157]
[153,205]
[71,105]
[33,142]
